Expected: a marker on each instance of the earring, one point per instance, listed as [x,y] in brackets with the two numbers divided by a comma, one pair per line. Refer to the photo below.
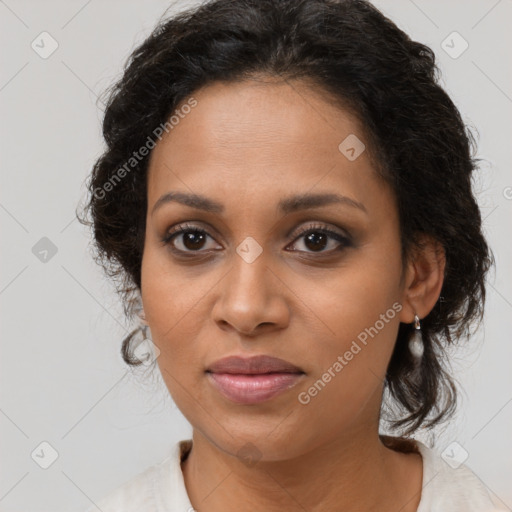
[145,352]
[416,342]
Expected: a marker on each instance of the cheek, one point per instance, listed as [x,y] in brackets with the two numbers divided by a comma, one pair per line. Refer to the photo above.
[170,303]
[350,365]
[170,292]
[355,295]
[170,299]
[360,310]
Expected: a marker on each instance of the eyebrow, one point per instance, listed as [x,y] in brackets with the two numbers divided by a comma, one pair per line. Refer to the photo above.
[286,206]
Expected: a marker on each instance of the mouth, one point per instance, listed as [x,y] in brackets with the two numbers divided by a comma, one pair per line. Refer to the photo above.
[253,380]
[253,365]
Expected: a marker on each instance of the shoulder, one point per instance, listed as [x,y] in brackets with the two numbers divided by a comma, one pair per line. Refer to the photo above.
[134,495]
[450,485]
[158,487]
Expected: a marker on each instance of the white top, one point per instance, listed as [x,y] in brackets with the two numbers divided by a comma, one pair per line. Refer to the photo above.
[161,488]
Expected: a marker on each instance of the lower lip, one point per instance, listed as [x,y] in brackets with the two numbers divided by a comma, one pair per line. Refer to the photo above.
[253,389]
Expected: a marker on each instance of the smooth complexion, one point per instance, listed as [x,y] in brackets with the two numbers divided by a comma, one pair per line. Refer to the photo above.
[249,146]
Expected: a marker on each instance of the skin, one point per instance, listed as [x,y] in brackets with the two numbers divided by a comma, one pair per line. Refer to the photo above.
[248,145]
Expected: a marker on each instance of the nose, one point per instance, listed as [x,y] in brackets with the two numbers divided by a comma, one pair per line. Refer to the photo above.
[252,299]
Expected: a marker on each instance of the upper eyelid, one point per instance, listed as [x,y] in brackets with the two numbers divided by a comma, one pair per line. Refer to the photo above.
[320,226]
[295,232]
[188,225]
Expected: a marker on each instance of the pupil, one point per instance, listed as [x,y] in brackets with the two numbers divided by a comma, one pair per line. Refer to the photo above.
[315,242]
[193,239]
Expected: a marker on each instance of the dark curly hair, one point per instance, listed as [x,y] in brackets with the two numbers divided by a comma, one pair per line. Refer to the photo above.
[415,136]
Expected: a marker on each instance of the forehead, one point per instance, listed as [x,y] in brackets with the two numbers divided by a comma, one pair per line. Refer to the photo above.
[260,136]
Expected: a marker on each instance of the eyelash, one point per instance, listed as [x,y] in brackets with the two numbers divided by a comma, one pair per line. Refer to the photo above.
[315,228]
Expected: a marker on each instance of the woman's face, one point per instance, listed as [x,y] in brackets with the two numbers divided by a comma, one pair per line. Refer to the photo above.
[261,276]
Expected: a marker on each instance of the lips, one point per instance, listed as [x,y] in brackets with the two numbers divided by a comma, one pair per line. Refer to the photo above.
[253,365]
[253,380]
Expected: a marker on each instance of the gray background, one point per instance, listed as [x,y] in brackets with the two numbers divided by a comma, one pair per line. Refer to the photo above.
[62,377]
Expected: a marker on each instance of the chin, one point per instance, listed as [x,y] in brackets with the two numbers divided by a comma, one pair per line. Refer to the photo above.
[261,442]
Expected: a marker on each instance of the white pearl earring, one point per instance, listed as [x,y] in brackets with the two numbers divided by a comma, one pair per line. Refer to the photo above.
[416,342]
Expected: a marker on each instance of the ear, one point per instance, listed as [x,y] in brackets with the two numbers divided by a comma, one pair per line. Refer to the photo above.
[424,277]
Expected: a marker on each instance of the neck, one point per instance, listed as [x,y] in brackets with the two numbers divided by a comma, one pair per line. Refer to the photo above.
[352,472]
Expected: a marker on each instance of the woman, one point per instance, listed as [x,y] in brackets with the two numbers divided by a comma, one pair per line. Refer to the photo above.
[286,196]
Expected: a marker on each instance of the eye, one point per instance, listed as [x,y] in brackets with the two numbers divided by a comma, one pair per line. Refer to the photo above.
[317,237]
[189,238]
